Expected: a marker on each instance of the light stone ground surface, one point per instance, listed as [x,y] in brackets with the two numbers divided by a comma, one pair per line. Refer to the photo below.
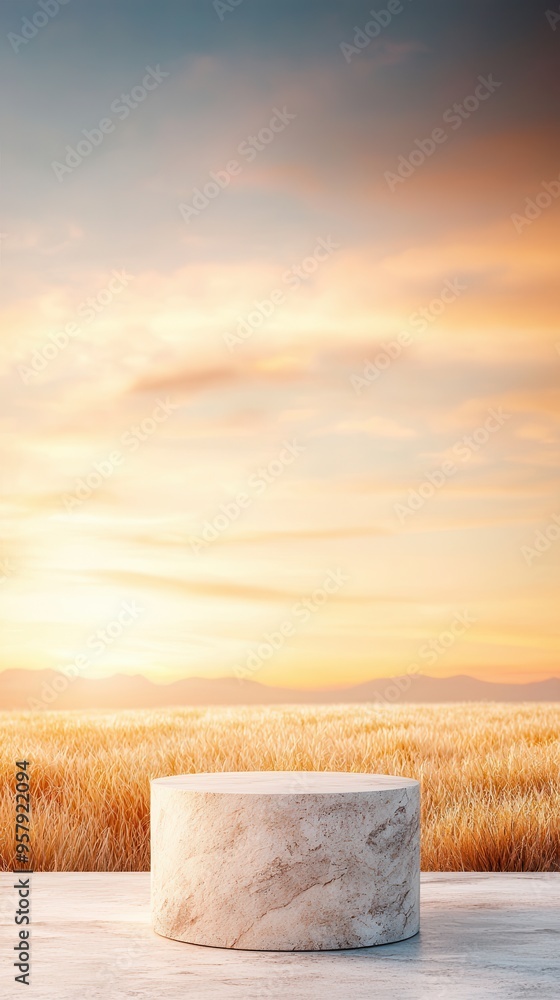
[286,861]
[483,936]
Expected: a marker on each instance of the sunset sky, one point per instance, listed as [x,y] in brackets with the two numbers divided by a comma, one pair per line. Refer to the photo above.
[172,394]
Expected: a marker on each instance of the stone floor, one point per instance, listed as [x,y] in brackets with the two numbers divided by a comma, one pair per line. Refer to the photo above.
[488,936]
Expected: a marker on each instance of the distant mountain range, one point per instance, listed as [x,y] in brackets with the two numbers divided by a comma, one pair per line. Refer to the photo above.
[41,689]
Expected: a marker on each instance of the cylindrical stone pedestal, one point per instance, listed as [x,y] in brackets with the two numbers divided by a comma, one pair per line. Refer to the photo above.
[285,860]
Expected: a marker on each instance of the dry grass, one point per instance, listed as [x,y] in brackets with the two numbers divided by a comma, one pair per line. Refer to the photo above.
[490,774]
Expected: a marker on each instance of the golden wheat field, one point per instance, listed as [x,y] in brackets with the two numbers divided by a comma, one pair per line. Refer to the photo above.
[490,774]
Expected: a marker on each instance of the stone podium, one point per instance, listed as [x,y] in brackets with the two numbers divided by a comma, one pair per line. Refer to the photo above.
[285,860]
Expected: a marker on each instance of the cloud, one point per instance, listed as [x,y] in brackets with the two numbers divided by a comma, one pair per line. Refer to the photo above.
[304,536]
[185,381]
[379,427]
[221,590]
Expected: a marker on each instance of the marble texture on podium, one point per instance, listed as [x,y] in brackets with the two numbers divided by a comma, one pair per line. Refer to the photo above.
[285,861]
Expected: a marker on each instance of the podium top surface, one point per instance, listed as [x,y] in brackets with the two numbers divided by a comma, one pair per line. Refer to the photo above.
[284,782]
